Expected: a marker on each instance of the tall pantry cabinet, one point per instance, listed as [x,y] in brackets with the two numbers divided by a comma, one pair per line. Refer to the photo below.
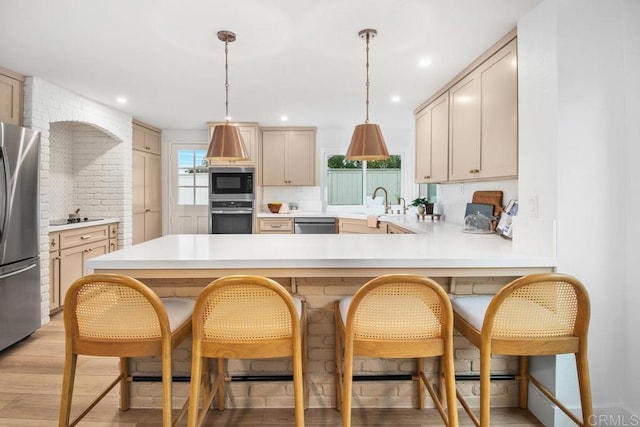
[147,191]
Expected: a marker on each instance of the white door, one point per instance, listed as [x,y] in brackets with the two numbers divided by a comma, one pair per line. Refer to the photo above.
[189,189]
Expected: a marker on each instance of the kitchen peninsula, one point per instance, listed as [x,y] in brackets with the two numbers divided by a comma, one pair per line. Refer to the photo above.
[322,269]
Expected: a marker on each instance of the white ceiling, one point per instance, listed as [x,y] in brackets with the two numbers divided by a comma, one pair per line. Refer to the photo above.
[301,58]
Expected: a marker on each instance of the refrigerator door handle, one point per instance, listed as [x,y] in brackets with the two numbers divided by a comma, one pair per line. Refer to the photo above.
[4,171]
[22,270]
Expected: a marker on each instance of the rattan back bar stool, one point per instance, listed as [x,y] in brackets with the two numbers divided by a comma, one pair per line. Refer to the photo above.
[397,316]
[115,315]
[244,317]
[535,315]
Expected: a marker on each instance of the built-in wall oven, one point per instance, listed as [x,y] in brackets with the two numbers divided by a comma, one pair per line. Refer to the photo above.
[231,200]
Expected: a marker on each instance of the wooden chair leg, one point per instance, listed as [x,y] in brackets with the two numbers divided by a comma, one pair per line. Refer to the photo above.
[339,347]
[485,387]
[442,383]
[221,384]
[303,327]
[194,392]
[68,379]
[125,395]
[167,395]
[347,384]
[449,388]
[584,384]
[524,382]
[421,385]
[298,387]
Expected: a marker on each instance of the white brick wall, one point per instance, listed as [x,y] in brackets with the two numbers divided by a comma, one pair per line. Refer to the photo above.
[46,103]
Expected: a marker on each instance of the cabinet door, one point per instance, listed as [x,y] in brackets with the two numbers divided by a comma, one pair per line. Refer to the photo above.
[93,250]
[273,158]
[152,183]
[250,137]
[138,177]
[71,268]
[138,228]
[145,139]
[152,225]
[54,280]
[10,100]
[300,158]
[464,129]
[432,142]
[499,114]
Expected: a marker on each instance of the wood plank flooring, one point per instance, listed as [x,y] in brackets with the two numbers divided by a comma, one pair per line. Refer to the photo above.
[31,379]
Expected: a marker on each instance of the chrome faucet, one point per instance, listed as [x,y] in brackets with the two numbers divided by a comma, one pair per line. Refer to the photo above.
[387,208]
[404,205]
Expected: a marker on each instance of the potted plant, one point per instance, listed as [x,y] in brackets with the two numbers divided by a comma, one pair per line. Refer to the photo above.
[421,203]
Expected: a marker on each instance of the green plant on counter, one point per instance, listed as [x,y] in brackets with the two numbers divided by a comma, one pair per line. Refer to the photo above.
[419,201]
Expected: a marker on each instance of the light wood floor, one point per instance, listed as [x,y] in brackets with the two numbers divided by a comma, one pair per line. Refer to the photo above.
[31,379]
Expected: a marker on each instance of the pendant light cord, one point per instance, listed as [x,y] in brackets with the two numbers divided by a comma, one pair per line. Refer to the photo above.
[367,84]
[226,81]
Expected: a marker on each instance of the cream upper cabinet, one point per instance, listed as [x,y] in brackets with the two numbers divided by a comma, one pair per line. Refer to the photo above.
[288,156]
[147,185]
[10,97]
[250,136]
[146,138]
[432,141]
[483,120]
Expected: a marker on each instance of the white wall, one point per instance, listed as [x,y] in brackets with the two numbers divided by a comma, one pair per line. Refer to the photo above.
[630,204]
[585,137]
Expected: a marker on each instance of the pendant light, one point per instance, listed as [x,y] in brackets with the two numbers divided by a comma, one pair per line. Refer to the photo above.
[367,142]
[226,142]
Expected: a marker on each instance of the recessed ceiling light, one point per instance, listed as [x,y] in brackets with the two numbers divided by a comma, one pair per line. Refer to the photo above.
[424,62]
[121,100]
[395,99]
[284,118]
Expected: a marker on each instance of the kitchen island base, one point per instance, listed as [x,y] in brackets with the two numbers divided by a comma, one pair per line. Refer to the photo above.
[320,293]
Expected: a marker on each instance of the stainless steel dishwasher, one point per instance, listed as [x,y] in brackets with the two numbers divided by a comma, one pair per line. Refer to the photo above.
[314,225]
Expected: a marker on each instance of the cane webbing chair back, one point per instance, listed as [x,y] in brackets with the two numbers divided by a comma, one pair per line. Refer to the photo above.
[244,317]
[397,316]
[534,315]
[116,315]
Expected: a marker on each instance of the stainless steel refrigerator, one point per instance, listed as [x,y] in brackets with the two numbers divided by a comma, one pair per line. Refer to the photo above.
[19,234]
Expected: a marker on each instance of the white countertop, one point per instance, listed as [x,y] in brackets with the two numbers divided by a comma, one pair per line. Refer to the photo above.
[439,246]
[55,228]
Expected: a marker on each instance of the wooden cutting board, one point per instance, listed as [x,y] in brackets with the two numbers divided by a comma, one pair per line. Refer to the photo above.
[490,198]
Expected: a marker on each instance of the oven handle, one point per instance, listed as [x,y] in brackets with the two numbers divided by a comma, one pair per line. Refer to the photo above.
[232,212]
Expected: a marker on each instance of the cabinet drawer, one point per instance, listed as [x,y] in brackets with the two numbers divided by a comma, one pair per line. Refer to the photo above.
[284,225]
[84,235]
[54,241]
[359,226]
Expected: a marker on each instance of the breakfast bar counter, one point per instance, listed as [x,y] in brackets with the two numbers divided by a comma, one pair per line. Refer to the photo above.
[442,249]
[322,269]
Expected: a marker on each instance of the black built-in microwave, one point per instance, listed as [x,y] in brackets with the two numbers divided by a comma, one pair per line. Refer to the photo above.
[231,183]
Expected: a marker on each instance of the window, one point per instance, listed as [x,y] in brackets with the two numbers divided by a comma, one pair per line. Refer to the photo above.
[193,177]
[349,182]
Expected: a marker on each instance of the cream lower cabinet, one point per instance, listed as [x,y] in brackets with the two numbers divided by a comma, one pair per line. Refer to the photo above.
[432,142]
[360,226]
[275,226]
[288,156]
[68,252]
[147,197]
[483,120]
[396,229]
